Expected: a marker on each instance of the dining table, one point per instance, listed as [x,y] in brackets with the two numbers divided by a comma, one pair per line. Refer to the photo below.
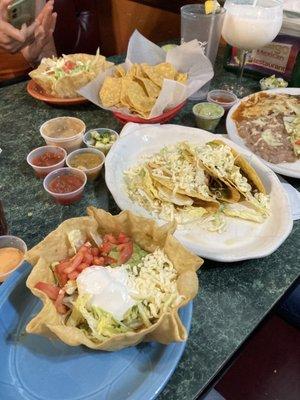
[233,299]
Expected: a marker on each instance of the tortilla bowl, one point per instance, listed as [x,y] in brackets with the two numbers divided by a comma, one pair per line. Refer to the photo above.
[146,233]
[67,86]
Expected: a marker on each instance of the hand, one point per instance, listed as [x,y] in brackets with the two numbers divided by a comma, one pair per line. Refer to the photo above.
[43,34]
[11,38]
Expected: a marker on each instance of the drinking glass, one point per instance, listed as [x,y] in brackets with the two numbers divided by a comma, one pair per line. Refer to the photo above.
[206,28]
[249,25]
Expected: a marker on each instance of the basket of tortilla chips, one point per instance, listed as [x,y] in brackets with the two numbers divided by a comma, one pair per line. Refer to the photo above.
[62,77]
[109,282]
[151,83]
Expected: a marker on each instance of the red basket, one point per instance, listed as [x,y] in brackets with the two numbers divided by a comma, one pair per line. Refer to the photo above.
[165,117]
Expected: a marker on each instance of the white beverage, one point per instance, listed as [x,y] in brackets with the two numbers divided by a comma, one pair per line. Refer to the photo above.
[248,27]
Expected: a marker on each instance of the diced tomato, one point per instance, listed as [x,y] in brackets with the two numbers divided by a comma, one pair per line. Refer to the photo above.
[73,275]
[126,250]
[75,262]
[82,266]
[95,251]
[122,238]
[297,142]
[106,247]
[98,261]
[88,258]
[51,291]
[62,279]
[109,260]
[110,238]
[85,247]
[60,307]
[62,266]
[69,65]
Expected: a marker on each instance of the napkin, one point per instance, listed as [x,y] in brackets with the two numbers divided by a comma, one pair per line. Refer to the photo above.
[293,196]
[188,57]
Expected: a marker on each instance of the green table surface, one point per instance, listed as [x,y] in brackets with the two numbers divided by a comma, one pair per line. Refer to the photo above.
[233,298]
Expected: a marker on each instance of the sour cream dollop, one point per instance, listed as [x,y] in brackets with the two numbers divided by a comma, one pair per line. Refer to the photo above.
[108,288]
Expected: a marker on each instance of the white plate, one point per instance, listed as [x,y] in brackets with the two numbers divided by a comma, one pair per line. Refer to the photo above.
[287,169]
[242,239]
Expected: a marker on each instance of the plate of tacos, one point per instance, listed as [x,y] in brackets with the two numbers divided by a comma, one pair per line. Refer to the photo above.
[227,204]
[268,124]
[98,282]
[57,79]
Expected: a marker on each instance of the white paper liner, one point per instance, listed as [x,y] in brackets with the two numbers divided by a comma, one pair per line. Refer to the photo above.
[187,58]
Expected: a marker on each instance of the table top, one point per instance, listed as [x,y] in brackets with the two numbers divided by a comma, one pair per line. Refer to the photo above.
[233,298]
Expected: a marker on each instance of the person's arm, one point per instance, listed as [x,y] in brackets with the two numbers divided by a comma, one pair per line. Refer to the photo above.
[43,44]
[12,39]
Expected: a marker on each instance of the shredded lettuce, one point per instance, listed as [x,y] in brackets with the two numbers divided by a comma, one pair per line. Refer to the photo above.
[102,324]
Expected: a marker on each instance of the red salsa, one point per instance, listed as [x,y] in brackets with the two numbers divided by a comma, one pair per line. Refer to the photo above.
[222,99]
[65,184]
[47,159]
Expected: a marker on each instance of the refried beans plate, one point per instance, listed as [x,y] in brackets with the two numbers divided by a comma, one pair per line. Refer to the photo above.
[291,169]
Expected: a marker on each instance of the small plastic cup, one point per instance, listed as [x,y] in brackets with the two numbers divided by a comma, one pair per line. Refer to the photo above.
[223,98]
[17,243]
[91,173]
[41,172]
[102,147]
[70,197]
[68,143]
[278,83]
[208,115]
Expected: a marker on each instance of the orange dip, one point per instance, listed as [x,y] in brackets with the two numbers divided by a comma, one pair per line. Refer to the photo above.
[10,257]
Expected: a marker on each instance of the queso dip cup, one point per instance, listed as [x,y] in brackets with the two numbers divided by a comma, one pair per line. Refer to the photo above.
[16,243]
[65,132]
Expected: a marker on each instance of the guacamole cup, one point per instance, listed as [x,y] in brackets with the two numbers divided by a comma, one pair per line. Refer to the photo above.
[208,115]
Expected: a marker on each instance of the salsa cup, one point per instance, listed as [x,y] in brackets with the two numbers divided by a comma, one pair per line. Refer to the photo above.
[68,143]
[101,146]
[223,98]
[69,197]
[17,243]
[91,173]
[40,171]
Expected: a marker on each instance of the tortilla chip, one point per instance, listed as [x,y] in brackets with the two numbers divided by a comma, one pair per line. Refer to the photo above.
[138,98]
[150,88]
[120,71]
[148,236]
[181,77]
[110,92]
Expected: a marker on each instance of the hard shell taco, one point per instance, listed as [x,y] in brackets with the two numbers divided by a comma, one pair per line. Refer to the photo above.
[110,282]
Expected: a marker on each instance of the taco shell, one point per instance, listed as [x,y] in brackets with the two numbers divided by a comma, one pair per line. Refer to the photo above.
[247,170]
